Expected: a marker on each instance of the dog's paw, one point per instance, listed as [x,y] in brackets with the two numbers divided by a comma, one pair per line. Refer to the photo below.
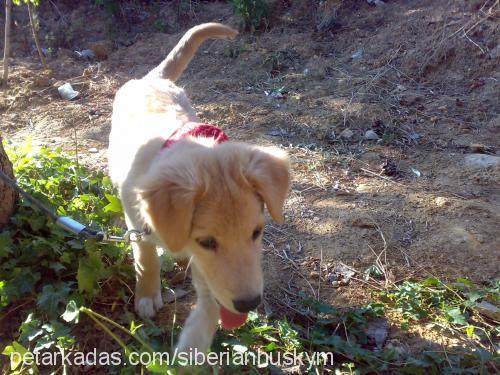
[146,307]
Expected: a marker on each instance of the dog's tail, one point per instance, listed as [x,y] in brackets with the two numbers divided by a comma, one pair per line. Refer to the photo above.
[177,60]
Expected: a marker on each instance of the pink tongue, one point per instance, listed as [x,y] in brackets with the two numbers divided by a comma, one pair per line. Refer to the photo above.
[231,320]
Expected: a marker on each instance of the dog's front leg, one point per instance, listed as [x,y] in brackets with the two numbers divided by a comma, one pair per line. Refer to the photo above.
[200,326]
[148,285]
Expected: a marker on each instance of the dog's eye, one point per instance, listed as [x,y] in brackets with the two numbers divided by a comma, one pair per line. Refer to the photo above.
[256,233]
[208,243]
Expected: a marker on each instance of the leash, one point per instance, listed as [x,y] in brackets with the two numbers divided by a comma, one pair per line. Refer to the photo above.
[73,226]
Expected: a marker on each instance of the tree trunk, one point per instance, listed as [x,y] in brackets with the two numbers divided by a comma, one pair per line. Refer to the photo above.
[7,195]
[6,50]
[35,34]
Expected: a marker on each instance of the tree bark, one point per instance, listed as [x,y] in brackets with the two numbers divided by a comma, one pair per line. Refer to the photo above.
[35,34]
[7,194]
[6,50]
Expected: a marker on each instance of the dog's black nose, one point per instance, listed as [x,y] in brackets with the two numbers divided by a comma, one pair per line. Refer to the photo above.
[245,305]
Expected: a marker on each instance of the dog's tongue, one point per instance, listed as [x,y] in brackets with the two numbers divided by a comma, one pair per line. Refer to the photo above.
[231,320]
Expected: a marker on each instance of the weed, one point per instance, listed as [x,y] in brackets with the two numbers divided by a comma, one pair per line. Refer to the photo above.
[252,13]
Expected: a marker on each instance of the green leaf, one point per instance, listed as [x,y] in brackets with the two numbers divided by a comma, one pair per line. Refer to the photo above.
[66,258]
[270,347]
[51,297]
[30,329]
[263,328]
[16,352]
[56,266]
[5,244]
[456,316]
[465,282]
[86,276]
[470,331]
[134,327]
[114,205]
[72,312]
[431,281]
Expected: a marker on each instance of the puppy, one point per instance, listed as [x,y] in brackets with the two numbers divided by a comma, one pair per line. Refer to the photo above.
[200,195]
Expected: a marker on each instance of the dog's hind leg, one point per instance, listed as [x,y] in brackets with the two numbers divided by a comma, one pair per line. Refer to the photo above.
[148,285]
[200,326]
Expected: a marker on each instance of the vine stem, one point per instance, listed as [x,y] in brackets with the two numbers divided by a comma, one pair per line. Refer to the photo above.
[94,315]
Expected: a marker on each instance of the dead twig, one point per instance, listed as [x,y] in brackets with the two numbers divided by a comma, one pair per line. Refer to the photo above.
[380,176]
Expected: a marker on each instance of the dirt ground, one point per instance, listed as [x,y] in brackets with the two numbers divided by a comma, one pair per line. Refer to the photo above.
[420,76]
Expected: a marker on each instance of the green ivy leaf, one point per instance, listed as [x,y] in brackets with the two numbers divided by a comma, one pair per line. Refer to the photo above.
[456,317]
[72,312]
[114,205]
[270,347]
[51,297]
[431,281]
[5,244]
[56,266]
[86,276]
[30,329]
[19,350]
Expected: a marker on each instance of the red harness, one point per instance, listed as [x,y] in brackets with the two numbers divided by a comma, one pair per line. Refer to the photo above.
[195,129]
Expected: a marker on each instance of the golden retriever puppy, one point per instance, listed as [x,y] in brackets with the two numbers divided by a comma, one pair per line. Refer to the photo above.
[200,195]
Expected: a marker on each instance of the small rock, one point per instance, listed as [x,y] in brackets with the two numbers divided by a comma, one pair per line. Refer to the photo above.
[357,55]
[336,284]
[344,281]
[331,277]
[377,331]
[495,52]
[371,135]
[93,150]
[316,218]
[489,310]
[346,134]
[481,161]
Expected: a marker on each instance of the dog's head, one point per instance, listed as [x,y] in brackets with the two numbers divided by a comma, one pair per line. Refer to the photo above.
[211,202]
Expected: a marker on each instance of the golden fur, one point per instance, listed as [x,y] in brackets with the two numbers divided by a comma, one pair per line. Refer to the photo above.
[192,194]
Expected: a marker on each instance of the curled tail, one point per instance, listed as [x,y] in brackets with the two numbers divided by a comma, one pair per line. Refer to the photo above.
[177,60]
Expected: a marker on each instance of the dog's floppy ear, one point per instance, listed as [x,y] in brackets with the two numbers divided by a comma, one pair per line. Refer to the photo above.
[268,171]
[168,208]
